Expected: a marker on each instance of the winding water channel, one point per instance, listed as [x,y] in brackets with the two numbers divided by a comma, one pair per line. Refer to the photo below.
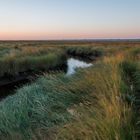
[72,65]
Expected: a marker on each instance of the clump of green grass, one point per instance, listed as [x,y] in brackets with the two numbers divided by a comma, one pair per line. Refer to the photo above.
[87,52]
[14,65]
[33,107]
[131,85]
[40,106]
[134,54]
[131,76]
[4,51]
[22,56]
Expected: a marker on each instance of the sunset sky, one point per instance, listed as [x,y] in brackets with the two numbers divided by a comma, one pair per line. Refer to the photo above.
[69,19]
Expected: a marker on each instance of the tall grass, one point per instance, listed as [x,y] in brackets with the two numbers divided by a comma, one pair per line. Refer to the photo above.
[87,105]
[39,106]
[131,87]
[14,65]
[106,117]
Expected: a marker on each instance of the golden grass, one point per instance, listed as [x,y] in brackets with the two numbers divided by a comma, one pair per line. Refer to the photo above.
[106,117]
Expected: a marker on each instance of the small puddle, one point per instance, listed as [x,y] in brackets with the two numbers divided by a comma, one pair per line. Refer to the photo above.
[73,64]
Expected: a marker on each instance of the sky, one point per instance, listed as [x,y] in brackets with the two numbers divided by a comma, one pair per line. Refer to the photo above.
[69,19]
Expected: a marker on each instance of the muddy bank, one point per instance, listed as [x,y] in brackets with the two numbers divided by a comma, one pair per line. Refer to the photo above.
[10,88]
[8,83]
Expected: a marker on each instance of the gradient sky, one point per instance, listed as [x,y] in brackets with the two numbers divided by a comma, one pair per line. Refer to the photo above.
[69,19]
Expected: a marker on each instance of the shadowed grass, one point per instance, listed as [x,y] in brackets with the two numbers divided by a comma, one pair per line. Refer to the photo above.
[87,52]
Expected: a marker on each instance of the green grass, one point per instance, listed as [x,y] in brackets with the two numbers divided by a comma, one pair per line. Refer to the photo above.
[41,105]
[62,107]
[131,87]
[87,52]
[17,57]
[14,65]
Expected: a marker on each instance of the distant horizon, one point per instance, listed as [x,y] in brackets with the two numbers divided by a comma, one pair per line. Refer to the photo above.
[87,39]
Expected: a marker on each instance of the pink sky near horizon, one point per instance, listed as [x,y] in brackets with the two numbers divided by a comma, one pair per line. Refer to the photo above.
[55,36]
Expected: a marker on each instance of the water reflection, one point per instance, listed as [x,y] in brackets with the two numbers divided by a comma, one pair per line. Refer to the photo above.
[75,63]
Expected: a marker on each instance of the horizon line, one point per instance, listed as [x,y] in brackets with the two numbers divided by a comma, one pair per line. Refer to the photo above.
[76,39]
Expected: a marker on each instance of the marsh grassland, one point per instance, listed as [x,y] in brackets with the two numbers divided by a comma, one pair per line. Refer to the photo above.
[101,102]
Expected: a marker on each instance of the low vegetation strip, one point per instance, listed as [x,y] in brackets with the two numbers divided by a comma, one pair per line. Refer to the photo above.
[85,52]
[87,105]
[16,65]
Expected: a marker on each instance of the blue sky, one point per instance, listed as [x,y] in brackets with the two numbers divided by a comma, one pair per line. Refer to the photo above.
[69,19]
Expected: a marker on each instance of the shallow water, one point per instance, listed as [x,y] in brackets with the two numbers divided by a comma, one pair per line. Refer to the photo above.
[73,64]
